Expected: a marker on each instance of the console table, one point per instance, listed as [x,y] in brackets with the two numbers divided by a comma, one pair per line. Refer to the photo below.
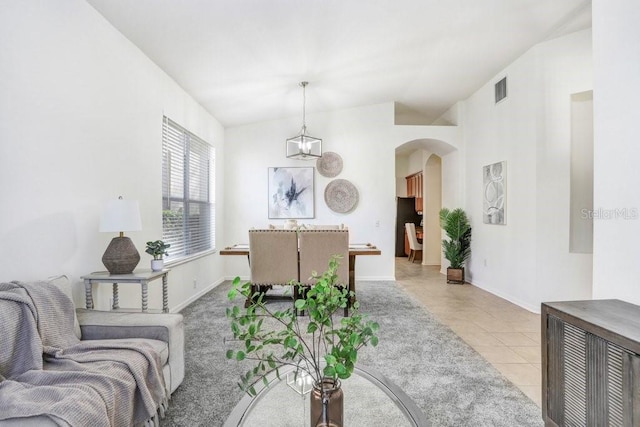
[591,363]
[140,277]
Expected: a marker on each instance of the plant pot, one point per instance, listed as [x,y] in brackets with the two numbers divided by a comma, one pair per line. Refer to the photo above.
[157,264]
[327,404]
[455,275]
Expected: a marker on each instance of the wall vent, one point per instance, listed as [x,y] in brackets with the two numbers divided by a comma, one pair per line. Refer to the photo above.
[501,90]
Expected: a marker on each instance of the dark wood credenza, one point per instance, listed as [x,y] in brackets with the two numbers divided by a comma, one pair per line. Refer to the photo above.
[591,363]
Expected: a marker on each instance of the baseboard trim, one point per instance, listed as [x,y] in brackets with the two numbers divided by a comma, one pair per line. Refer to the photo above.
[506,296]
[242,278]
[178,308]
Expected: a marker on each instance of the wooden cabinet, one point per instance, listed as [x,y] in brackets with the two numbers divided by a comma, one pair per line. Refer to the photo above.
[591,363]
[415,188]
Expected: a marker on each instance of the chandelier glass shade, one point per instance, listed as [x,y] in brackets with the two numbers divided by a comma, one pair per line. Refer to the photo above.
[303,146]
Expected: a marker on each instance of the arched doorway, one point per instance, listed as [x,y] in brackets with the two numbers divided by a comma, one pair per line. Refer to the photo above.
[424,157]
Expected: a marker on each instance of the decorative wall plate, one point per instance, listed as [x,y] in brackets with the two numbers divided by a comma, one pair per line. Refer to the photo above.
[329,165]
[341,195]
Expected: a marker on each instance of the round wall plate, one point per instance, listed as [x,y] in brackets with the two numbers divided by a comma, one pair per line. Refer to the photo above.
[329,165]
[341,196]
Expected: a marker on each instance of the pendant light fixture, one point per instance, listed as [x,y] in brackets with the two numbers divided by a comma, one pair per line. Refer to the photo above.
[303,146]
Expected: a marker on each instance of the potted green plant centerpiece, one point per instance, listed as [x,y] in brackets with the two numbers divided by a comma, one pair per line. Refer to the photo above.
[457,248]
[157,249]
[320,347]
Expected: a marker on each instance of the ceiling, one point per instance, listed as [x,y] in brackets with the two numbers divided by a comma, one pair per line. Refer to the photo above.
[243,59]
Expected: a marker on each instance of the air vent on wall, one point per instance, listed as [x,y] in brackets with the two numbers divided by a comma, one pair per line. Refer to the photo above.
[501,89]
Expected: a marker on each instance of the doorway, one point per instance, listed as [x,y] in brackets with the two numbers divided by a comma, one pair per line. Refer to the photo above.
[409,162]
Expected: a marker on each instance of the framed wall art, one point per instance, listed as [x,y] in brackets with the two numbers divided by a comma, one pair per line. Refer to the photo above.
[494,180]
[291,193]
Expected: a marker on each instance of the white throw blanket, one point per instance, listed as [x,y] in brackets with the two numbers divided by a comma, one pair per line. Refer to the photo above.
[46,370]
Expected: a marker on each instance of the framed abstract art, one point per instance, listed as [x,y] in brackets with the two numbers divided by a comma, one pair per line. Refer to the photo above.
[494,184]
[291,192]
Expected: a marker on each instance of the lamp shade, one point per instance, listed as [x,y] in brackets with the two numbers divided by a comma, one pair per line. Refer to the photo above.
[120,215]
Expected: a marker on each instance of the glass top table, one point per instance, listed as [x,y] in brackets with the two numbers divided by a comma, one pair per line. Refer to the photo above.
[369,399]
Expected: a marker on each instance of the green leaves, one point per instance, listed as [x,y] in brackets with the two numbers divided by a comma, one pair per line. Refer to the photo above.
[323,343]
[458,229]
[157,249]
[290,342]
[312,327]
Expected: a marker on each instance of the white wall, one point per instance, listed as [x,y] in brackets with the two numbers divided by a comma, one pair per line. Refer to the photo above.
[527,260]
[566,69]
[402,170]
[80,122]
[432,238]
[417,160]
[366,139]
[616,94]
[581,224]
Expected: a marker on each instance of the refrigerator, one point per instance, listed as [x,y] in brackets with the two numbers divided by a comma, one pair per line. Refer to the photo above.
[405,212]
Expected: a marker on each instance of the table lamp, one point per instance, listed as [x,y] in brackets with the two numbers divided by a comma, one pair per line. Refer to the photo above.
[121,256]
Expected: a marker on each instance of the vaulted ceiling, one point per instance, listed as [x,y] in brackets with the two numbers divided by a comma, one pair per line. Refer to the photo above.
[243,59]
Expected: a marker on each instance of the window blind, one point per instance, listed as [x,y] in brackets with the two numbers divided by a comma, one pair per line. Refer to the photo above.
[188,192]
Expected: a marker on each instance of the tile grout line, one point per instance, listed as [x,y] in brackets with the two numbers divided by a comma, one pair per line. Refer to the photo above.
[448,303]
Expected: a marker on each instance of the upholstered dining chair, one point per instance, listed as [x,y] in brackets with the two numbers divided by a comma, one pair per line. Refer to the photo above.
[316,249]
[414,246]
[273,258]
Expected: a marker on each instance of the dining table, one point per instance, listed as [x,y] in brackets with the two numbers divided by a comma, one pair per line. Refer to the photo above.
[355,249]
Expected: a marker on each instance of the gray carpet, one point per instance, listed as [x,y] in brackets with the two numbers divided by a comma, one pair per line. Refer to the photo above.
[448,380]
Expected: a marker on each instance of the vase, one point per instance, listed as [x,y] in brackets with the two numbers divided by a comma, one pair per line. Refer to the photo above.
[326,404]
[157,264]
[290,224]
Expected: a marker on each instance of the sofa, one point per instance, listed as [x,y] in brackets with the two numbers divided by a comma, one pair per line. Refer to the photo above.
[65,366]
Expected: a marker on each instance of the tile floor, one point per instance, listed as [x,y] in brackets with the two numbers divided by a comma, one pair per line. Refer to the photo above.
[505,334]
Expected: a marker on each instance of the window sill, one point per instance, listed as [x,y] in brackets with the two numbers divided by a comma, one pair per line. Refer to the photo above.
[190,258]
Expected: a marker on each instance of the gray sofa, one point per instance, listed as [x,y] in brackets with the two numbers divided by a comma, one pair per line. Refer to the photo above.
[163,332]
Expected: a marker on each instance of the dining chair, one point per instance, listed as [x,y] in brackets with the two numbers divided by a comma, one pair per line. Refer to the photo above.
[414,246]
[316,249]
[273,258]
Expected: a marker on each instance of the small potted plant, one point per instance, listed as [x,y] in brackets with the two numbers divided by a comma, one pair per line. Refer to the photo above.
[320,349]
[458,248]
[157,249]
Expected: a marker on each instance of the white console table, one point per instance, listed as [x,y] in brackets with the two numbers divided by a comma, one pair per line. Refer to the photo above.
[141,277]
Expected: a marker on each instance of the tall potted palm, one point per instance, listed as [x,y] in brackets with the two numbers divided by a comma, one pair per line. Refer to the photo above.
[457,248]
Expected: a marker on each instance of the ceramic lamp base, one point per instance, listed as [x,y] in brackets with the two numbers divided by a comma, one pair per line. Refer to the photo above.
[121,256]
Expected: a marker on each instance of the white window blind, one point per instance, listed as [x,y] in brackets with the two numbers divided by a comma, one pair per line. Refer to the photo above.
[188,192]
